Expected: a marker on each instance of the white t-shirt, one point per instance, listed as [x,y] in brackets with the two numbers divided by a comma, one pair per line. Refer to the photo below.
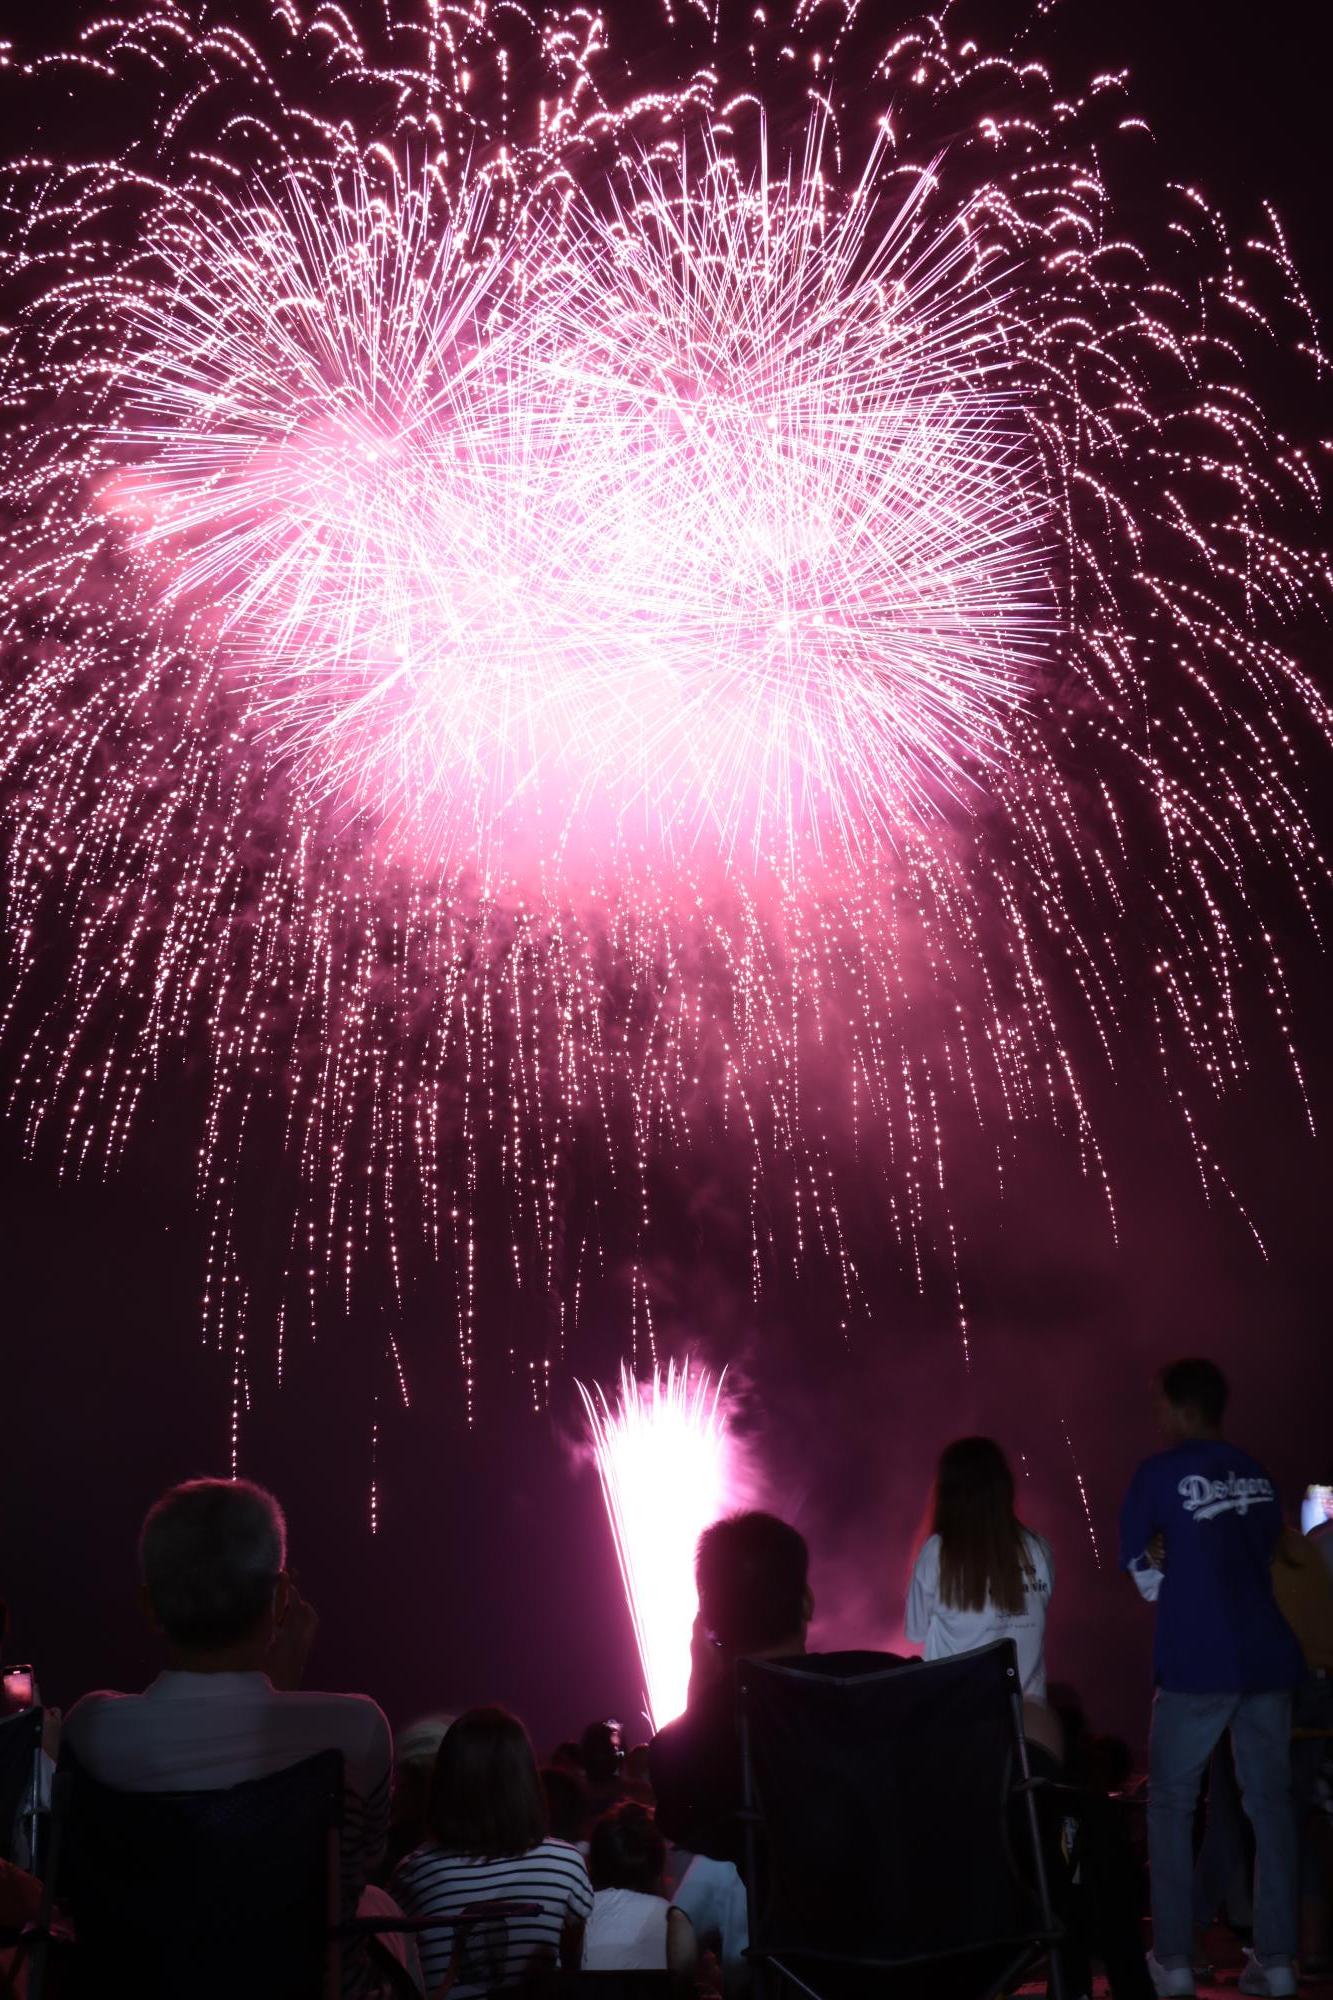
[944,1630]
[712,1895]
[627,1932]
[202,1732]
[433,1883]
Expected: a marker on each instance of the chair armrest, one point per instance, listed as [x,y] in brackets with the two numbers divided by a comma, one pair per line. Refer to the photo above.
[1050,1785]
[392,1973]
[474,1913]
[355,1927]
[37,1930]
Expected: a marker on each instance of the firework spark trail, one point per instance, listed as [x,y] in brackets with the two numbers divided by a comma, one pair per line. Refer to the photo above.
[665,1464]
[536,626]
[1083,1497]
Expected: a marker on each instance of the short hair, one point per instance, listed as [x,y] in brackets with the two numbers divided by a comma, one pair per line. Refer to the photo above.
[1196,1385]
[752,1572]
[486,1798]
[210,1553]
[600,1752]
[626,1850]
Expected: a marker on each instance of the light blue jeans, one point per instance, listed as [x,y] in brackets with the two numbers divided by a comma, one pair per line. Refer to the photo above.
[1223,1878]
[1185,1727]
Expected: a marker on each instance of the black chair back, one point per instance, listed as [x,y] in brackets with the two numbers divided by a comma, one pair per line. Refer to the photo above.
[882,1812]
[616,1986]
[20,1746]
[203,1895]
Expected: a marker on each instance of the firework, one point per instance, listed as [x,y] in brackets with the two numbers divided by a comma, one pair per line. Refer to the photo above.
[564,624]
[483,564]
[664,1461]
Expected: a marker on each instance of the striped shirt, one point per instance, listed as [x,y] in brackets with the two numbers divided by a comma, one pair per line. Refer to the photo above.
[498,1954]
[200,1732]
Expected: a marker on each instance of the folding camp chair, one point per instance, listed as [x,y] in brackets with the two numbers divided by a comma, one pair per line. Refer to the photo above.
[891,1828]
[479,1949]
[616,1986]
[208,1895]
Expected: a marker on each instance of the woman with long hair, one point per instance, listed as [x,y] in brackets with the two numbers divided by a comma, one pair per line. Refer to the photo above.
[488,1843]
[981,1575]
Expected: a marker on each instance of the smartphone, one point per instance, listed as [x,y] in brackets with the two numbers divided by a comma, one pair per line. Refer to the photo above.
[20,1690]
[1316,1508]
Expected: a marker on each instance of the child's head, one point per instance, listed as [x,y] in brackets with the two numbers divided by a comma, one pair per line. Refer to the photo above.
[627,1851]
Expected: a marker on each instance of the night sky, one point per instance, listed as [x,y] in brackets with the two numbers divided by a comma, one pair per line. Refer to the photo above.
[491,1576]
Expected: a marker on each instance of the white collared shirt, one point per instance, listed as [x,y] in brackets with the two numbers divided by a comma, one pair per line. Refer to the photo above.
[192,1732]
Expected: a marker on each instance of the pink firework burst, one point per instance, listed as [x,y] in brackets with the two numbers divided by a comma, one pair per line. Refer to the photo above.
[558,641]
[708,526]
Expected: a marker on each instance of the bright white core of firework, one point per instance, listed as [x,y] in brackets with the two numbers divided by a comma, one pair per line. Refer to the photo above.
[663,1457]
[704,527]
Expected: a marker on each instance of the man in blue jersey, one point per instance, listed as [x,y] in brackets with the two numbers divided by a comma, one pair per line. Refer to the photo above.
[1197,1532]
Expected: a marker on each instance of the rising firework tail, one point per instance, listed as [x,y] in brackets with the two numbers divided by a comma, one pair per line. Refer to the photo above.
[666,1466]
[558,605]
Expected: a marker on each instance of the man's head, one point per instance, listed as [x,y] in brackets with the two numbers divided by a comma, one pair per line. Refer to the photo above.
[753,1576]
[212,1555]
[1191,1399]
[601,1751]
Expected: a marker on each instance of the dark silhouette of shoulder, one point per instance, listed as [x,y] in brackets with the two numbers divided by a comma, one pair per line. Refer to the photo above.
[695,1761]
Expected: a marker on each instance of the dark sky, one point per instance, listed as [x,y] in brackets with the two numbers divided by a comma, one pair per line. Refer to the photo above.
[491,1576]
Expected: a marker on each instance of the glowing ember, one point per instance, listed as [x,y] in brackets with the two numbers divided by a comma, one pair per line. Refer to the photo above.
[663,1458]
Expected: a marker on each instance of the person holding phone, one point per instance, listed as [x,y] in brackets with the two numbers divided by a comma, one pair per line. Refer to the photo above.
[752,1572]
[1319,1528]
[229,1706]
[19,1693]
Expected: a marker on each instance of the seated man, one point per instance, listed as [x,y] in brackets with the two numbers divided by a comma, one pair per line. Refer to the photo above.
[752,1573]
[212,1554]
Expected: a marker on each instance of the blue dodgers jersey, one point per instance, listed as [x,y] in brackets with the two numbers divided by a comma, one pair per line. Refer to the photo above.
[1219,1630]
